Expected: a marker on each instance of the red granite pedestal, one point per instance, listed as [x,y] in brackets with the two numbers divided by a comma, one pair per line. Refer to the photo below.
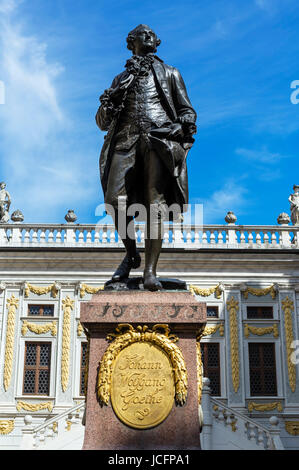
[100,316]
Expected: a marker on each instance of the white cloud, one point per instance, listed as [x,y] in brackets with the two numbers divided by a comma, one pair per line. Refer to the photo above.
[231,197]
[44,170]
[262,156]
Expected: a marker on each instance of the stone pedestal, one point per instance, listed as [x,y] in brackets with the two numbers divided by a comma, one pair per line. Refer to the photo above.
[184,316]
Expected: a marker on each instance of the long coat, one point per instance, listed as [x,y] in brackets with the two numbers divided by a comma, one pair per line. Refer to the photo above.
[174,96]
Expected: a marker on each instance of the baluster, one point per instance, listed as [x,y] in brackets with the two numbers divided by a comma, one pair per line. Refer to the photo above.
[166,237]
[204,238]
[42,238]
[88,237]
[242,237]
[112,236]
[250,238]
[251,428]
[27,236]
[266,238]
[188,237]
[42,436]
[258,239]
[58,236]
[104,239]
[260,438]
[196,237]
[212,238]
[97,236]
[81,237]
[273,238]
[220,238]
[34,236]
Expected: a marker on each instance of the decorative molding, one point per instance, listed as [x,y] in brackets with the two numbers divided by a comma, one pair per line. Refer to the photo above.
[259,292]
[85,288]
[53,288]
[208,291]
[211,329]
[125,335]
[12,305]
[7,426]
[39,329]
[34,406]
[292,427]
[261,330]
[233,307]
[68,305]
[199,364]
[288,307]
[264,406]
[79,329]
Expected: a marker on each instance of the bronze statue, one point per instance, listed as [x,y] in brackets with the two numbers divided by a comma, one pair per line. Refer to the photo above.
[150,123]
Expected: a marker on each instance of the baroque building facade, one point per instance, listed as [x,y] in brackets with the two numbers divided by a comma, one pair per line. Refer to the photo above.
[247,275]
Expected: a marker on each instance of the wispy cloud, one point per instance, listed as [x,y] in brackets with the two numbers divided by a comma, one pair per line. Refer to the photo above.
[262,155]
[230,197]
[44,172]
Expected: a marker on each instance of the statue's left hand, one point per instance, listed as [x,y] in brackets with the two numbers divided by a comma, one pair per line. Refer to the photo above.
[176,130]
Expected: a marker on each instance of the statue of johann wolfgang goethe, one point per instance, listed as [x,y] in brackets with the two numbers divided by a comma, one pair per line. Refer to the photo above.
[150,123]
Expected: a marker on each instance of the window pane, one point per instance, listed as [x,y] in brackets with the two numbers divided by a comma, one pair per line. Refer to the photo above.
[211,365]
[29,381]
[262,369]
[44,359]
[43,382]
[83,363]
[212,311]
[260,312]
[41,310]
[30,354]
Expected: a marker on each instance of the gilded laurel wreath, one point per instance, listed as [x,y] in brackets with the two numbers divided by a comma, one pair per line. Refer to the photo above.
[159,335]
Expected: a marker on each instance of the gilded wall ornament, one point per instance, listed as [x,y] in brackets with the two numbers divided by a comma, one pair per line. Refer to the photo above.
[233,307]
[260,292]
[67,307]
[264,406]
[6,426]
[12,305]
[85,288]
[39,329]
[53,288]
[211,329]
[208,291]
[79,329]
[126,335]
[288,307]
[260,331]
[34,406]
[199,363]
[292,427]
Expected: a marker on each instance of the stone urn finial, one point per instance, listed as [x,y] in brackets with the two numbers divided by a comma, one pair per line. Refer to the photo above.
[17,216]
[283,219]
[230,218]
[70,217]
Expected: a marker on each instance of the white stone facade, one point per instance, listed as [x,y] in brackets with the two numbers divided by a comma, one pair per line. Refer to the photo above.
[71,256]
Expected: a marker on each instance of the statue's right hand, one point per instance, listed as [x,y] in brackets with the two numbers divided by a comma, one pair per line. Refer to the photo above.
[116,94]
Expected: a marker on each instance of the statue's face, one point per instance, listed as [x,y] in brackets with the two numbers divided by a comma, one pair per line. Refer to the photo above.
[145,41]
[3,186]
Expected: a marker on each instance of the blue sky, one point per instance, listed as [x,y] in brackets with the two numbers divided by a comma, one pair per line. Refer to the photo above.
[238,59]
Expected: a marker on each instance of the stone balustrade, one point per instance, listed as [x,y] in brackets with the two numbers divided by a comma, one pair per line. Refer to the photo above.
[185,236]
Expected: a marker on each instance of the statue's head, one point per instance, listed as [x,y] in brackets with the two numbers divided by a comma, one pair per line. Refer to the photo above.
[2,185]
[142,40]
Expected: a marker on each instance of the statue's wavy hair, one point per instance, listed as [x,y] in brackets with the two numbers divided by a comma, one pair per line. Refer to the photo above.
[132,34]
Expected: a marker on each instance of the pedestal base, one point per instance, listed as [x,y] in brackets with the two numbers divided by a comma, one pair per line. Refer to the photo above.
[184,316]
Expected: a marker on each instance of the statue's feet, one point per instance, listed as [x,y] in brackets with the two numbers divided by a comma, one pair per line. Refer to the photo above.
[123,270]
[150,282]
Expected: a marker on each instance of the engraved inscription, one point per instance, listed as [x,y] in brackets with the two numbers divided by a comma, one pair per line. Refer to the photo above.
[142,392]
